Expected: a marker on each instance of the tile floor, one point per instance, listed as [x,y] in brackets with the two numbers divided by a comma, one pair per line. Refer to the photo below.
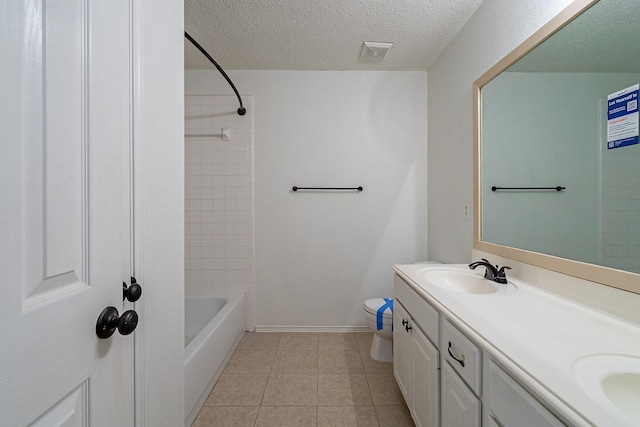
[305,379]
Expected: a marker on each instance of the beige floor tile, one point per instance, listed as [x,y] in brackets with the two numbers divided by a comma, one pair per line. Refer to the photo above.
[298,341]
[226,416]
[238,390]
[287,416]
[339,362]
[373,366]
[363,339]
[337,341]
[384,389]
[343,389]
[295,362]
[347,416]
[394,416]
[259,341]
[291,390]
[250,362]
[278,371]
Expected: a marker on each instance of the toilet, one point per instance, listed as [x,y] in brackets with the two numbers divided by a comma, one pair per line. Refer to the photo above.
[378,313]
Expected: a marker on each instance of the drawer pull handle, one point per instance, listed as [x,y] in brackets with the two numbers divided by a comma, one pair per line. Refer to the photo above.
[404,322]
[460,361]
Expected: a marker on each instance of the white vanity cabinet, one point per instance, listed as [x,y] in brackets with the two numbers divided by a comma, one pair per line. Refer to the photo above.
[416,361]
[455,383]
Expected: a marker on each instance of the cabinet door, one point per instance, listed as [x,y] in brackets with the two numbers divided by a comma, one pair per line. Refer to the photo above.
[401,350]
[426,380]
[460,407]
[512,405]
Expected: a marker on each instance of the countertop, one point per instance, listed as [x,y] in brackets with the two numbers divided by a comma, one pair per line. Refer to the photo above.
[538,336]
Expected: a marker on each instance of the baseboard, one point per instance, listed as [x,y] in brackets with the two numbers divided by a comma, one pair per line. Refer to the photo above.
[312,329]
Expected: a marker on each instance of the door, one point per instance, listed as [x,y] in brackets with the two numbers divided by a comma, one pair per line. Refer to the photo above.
[460,407]
[426,380]
[402,350]
[65,211]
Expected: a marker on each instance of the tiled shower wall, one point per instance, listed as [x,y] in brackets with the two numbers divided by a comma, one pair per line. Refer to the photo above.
[620,209]
[219,252]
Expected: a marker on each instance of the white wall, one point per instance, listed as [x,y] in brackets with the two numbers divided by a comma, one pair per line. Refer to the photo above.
[497,27]
[319,255]
[159,211]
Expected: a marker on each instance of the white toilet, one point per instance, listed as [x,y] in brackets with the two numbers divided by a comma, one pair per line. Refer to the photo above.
[378,313]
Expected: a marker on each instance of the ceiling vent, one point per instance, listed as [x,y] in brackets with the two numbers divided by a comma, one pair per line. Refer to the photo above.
[374,51]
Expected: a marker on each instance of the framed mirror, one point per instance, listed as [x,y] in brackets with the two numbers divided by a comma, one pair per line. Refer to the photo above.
[557,158]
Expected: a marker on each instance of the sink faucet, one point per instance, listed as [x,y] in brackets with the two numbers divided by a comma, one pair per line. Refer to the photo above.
[493,273]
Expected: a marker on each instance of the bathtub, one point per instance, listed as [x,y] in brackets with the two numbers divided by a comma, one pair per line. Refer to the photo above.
[214,326]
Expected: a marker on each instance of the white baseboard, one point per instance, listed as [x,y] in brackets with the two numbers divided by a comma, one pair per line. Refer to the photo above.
[312,329]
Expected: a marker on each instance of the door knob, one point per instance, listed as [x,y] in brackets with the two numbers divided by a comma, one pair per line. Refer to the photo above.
[109,321]
[133,292]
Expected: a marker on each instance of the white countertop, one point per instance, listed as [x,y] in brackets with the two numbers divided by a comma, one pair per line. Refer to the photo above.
[538,336]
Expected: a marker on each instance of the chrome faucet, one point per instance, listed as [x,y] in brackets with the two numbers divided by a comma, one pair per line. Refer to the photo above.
[494,273]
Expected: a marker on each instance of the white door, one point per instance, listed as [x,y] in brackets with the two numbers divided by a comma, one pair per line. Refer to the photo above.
[64,211]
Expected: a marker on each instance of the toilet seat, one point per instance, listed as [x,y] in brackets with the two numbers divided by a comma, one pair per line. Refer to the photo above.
[372,306]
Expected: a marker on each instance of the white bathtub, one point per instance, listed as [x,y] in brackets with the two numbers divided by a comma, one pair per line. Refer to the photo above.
[214,326]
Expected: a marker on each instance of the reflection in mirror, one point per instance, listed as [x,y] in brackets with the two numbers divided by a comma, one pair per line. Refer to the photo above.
[545,121]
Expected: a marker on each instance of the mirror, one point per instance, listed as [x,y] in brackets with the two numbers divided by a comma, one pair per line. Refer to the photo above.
[557,157]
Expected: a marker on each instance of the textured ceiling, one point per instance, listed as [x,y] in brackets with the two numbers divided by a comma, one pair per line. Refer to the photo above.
[321,34]
[604,39]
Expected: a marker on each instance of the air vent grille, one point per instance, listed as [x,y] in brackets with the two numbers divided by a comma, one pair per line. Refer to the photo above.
[375,51]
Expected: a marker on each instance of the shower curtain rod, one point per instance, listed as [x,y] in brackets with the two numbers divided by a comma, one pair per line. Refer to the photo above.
[241,110]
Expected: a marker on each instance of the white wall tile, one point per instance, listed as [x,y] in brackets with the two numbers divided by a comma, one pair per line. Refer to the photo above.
[213,172]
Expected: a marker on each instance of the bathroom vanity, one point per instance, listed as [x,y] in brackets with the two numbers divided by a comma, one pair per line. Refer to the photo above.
[472,352]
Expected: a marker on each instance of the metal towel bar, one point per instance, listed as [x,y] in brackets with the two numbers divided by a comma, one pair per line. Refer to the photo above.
[295,188]
[558,188]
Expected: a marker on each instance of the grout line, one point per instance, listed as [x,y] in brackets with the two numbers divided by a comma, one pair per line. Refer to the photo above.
[361,354]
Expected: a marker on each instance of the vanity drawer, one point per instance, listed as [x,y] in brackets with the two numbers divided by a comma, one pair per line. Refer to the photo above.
[462,354]
[422,313]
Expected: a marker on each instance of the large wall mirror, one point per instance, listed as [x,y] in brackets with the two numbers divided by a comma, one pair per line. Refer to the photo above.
[557,153]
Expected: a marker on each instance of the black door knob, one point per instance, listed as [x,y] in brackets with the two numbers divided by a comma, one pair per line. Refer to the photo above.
[133,292]
[109,321]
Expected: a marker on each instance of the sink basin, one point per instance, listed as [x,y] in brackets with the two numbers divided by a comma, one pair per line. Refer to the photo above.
[612,381]
[466,282]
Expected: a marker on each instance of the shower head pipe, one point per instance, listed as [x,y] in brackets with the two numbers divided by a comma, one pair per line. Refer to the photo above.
[241,110]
